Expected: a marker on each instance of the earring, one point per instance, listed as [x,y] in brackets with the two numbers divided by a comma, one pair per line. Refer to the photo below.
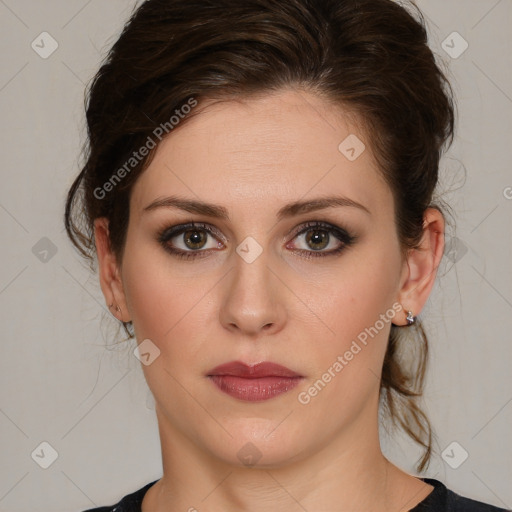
[410,318]
[118,309]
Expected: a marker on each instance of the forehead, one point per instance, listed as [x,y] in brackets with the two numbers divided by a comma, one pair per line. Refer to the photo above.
[265,150]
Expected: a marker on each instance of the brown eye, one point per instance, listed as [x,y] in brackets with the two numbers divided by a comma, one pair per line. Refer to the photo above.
[194,238]
[317,239]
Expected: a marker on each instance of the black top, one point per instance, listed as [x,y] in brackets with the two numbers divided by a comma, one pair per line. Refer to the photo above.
[440,499]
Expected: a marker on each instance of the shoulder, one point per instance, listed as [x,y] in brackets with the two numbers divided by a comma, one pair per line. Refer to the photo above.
[130,503]
[442,499]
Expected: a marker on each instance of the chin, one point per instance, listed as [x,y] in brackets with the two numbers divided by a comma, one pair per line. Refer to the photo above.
[257,443]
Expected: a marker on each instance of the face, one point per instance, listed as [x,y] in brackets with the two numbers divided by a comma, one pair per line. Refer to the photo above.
[260,278]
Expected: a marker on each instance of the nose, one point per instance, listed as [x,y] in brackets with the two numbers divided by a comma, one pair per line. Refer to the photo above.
[252,302]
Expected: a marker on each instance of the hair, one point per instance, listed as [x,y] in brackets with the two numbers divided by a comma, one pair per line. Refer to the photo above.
[370,57]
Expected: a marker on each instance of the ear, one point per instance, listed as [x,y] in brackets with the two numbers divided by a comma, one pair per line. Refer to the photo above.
[109,271]
[420,267]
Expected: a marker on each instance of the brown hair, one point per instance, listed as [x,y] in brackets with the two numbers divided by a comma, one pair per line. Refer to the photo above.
[368,55]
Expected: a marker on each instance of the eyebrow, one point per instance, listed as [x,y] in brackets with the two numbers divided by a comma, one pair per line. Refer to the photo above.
[289,210]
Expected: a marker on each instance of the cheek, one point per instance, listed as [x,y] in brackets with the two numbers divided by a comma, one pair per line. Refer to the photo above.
[358,309]
[364,289]
[152,298]
[166,304]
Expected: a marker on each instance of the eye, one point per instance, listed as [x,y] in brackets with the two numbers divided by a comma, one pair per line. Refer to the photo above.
[190,240]
[321,239]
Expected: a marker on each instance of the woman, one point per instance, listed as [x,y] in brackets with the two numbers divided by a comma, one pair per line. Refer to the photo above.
[258,191]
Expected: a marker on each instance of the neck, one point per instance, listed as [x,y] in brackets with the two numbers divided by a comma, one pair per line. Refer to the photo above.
[350,470]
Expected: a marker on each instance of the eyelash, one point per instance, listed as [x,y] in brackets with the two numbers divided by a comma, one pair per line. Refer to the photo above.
[340,234]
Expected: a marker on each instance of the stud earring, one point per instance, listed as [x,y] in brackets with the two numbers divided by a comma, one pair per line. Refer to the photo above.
[410,318]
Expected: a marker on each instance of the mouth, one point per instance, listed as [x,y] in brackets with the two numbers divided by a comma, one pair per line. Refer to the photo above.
[251,383]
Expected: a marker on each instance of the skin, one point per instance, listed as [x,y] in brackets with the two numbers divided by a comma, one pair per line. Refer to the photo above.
[252,157]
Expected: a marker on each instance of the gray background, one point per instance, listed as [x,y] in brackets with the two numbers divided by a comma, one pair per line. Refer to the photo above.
[61,386]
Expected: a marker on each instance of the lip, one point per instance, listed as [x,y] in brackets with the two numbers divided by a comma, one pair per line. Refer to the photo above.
[254,371]
[257,382]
